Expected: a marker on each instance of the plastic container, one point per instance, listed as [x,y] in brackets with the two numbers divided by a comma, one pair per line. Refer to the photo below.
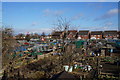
[66,68]
[75,66]
[71,69]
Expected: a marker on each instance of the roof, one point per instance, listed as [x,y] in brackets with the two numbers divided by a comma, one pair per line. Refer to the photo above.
[72,31]
[96,32]
[85,32]
[111,32]
[57,33]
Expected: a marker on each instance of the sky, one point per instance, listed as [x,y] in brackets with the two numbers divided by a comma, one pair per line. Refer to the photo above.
[39,17]
[60,0]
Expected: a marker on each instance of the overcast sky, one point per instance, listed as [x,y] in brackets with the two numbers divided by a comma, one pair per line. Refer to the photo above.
[40,16]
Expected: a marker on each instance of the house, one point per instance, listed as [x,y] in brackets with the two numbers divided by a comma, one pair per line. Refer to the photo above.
[48,36]
[57,34]
[113,34]
[72,34]
[83,34]
[96,35]
[119,34]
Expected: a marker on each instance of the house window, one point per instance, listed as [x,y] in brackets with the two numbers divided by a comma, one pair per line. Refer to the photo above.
[117,35]
[98,35]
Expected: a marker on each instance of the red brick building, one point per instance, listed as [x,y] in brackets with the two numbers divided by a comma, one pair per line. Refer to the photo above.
[71,34]
[83,34]
[113,34]
[96,35]
[57,34]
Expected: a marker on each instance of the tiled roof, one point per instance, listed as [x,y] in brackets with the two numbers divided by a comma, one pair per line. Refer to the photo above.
[85,32]
[58,33]
[72,32]
[96,32]
[111,32]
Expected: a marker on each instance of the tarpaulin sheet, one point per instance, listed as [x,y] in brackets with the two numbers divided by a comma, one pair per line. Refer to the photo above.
[33,53]
[118,44]
[79,43]
[14,55]
[21,48]
[20,55]
[39,53]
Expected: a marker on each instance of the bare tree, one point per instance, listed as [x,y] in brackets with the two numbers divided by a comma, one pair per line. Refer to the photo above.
[8,44]
[62,24]
[20,36]
[74,27]
[35,35]
[28,37]
[43,34]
